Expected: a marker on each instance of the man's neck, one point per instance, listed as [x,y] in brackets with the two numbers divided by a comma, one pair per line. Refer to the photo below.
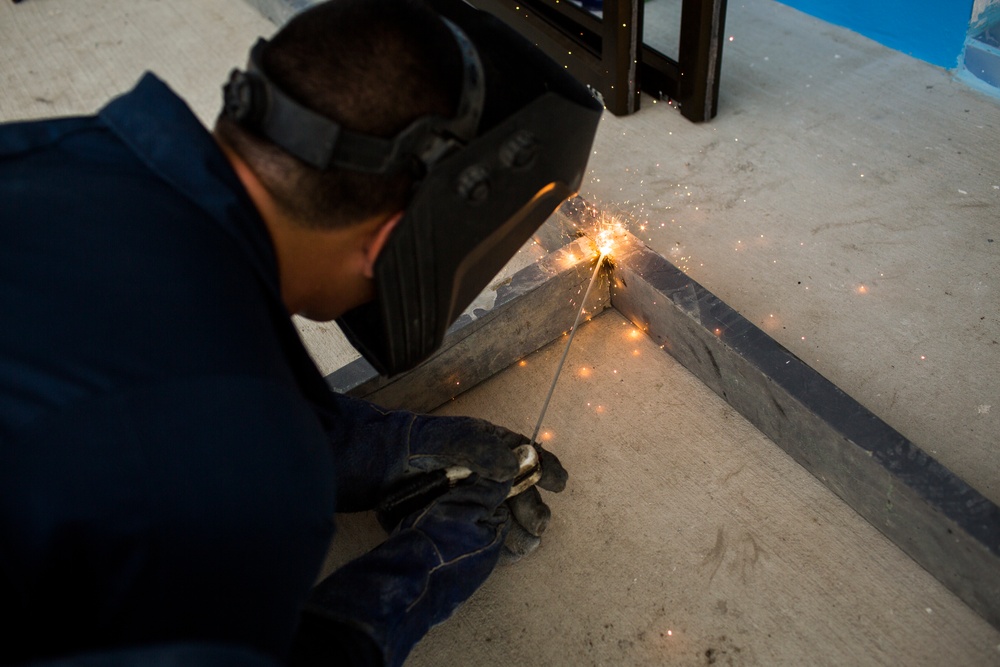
[322,272]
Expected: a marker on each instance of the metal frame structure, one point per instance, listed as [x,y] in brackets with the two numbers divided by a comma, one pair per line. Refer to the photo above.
[928,511]
[608,53]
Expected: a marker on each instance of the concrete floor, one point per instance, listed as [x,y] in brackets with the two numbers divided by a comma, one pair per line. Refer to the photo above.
[845,199]
[686,537]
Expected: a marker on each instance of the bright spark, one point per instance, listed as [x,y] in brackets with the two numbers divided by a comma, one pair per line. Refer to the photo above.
[608,232]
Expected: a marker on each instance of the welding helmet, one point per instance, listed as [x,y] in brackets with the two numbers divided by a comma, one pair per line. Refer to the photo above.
[515,148]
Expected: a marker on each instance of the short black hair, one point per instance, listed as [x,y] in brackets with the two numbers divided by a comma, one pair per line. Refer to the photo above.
[374,66]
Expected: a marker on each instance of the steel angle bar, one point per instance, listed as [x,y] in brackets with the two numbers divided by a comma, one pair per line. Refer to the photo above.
[941,522]
[534,308]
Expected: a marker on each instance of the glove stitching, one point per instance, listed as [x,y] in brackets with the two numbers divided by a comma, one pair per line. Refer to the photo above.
[437,551]
[443,563]
[417,457]
[377,409]
[409,436]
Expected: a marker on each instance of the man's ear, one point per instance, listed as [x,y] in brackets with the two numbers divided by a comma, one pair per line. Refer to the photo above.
[377,242]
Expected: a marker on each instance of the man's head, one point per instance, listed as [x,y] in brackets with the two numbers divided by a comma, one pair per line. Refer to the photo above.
[373,66]
[429,144]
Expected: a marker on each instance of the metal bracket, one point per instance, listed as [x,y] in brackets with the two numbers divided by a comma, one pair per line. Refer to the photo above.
[608,53]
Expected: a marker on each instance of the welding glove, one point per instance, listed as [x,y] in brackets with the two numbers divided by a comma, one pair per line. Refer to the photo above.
[432,562]
[437,556]
[436,443]
[377,448]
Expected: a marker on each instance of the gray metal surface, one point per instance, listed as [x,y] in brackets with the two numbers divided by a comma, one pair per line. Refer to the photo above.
[845,199]
[927,510]
[684,537]
[534,306]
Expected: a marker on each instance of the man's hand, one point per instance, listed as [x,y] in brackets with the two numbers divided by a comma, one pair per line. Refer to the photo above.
[530,513]
[430,563]
[436,443]
[437,554]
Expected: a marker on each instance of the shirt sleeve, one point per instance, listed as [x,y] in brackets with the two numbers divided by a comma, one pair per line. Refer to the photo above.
[198,508]
[368,444]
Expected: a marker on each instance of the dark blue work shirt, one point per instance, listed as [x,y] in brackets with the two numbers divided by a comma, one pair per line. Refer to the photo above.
[165,472]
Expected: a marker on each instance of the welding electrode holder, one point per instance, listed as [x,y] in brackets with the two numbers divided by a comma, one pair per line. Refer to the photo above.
[418,491]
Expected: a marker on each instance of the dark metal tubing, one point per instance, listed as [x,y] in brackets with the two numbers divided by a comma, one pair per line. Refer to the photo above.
[602,54]
[702,26]
[609,54]
[693,81]
[929,512]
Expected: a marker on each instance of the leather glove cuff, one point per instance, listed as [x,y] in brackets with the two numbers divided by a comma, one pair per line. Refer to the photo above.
[426,568]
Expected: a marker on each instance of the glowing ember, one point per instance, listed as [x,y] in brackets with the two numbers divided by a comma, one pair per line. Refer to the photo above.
[608,233]
[605,242]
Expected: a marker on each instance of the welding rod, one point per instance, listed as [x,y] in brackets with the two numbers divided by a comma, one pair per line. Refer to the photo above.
[572,333]
[418,491]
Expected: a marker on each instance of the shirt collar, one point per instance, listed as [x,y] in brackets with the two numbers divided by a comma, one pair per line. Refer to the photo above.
[162,131]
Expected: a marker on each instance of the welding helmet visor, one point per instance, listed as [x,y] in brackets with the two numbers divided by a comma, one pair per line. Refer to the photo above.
[476,207]
[516,147]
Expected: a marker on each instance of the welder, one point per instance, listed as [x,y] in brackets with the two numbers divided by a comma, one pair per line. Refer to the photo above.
[171,459]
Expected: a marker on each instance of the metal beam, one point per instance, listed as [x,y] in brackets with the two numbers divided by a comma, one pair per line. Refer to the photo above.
[607,52]
[600,52]
[945,525]
[929,512]
[534,308]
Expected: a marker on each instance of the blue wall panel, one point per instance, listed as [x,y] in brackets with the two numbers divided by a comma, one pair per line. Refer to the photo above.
[932,30]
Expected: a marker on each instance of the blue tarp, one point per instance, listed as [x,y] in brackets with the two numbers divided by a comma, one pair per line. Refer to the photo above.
[932,30]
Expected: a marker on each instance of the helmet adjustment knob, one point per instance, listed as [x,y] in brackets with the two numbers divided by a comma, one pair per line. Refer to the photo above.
[520,150]
[473,184]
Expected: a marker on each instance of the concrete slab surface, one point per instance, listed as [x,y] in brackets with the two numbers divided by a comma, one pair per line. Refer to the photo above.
[846,199]
[685,537]
[925,509]
[59,58]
